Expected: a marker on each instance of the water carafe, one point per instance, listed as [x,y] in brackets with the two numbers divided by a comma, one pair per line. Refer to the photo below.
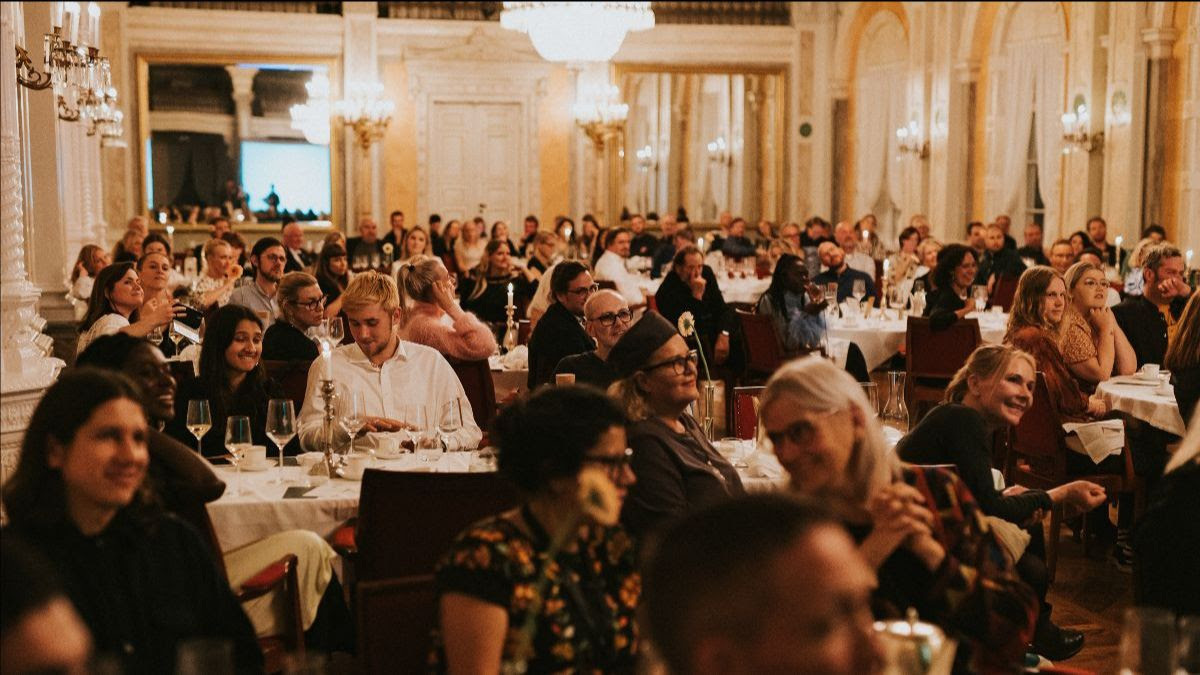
[895,411]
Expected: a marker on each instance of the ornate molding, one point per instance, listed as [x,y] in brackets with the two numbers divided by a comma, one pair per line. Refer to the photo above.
[1160,41]
[479,45]
[15,411]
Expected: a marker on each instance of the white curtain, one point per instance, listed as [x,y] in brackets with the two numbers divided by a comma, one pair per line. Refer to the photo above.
[1010,137]
[878,111]
[1049,99]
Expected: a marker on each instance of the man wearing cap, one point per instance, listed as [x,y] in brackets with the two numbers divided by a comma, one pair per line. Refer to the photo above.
[677,468]
[607,318]
[560,332]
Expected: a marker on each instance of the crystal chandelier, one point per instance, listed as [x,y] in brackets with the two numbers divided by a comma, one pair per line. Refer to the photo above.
[365,110]
[577,32]
[312,117]
[600,113]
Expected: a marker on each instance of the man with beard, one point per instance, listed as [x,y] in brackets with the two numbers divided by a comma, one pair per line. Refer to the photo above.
[268,259]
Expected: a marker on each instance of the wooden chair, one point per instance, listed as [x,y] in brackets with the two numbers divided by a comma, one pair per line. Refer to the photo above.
[524,331]
[651,303]
[1037,458]
[292,377]
[932,357]
[745,411]
[476,379]
[406,520]
[395,618]
[1003,292]
[764,354]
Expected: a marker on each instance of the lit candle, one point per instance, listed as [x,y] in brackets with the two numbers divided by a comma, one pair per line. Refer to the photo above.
[56,12]
[887,265]
[510,295]
[71,9]
[700,243]
[1119,240]
[866,235]
[567,232]
[1189,258]
[94,24]
[326,360]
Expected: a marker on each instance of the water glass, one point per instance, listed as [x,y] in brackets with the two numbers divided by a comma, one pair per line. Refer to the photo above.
[237,441]
[980,294]
[281,427]
[872,391]
[1148,642]
[450,422]
[859,289]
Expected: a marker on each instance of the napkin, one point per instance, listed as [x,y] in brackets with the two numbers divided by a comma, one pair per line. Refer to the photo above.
[764,465]
[517,359]
[454,462]
[1098,439]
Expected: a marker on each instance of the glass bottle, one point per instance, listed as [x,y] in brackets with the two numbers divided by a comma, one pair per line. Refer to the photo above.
[895,411]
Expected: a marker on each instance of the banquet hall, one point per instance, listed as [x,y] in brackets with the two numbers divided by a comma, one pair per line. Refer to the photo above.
[408,336]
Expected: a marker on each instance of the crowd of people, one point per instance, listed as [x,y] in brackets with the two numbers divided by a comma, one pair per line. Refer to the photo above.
[667,548]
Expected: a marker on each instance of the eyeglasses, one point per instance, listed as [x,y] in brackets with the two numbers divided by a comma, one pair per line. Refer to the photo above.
[584,291]
[800,432]
[312,305]
[614,465]
[609,318]
[679,363]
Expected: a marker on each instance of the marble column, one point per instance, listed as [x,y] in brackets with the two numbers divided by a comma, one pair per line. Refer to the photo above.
[25,367]
[243,103]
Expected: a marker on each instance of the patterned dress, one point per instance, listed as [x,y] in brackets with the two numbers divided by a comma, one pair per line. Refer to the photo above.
[1078,343]
[585,620]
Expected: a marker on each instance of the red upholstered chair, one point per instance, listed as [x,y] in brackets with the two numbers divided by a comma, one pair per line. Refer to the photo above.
[292,377]
[407,520]
[932,357]
[651,303]
[1003,292]
[745,411]
[1037,458]
[764,354]
[476,379]
[524,330]
[395,618]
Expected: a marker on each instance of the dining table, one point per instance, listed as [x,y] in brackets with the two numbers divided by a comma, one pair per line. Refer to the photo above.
[880,334]
[1149,400]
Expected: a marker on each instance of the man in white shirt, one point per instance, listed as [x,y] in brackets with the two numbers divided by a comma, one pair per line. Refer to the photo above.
[611,267]
[847,238]
[397,378]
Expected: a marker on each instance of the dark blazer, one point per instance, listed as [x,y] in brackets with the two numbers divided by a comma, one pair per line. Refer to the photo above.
[285,342]
[297,261]
[1145,326]
[588,369]
[941,306]
[712,314]
[557,334]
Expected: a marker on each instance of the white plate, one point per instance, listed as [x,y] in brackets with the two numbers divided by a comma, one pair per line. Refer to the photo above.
[390,455]
[350,478]
[1135,380]
[266,464]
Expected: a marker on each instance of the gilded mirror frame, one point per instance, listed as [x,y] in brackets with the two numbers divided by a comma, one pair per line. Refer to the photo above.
[143,61]
[782,114]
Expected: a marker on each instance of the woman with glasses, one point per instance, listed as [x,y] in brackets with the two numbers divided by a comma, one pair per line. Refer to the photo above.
[559,331]
[677,467]
[918,527]
[607,317]
[1093,346]
[301,307]
[586,619]
[427,294]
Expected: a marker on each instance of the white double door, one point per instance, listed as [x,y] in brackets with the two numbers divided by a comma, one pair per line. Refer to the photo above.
[474,161]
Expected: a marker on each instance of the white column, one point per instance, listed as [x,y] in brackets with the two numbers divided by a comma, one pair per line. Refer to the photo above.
[25,368]
[1083,180]
[948,127]
[1124,142]
[364,175]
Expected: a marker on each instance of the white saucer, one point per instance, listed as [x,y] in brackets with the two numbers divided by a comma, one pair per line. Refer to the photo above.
[390,455]
[266,464]
[350,478]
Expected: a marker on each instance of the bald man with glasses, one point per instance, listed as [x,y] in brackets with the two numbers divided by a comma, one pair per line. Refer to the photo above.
[606,318]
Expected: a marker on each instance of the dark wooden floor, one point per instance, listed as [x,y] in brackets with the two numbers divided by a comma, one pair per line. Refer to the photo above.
[1090,596]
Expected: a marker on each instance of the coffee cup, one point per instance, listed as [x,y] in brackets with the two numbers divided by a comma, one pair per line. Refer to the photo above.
[387,446]
[1149,371]
[307,459]
[355,465]
[255,455]
[564,378]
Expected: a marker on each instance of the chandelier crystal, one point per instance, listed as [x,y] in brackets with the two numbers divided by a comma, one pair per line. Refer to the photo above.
[312,117]
[600,112]
[577,32]
[365,110]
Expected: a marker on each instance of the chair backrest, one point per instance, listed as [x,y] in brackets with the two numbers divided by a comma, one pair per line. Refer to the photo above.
[607,283]
[406,521]
[182,371]
[292,377]
[1004,291]
[395,618]
[745,411]
[476,379]
[651,303]
[764,354]
[524,330]
[1037,441]
[939,353]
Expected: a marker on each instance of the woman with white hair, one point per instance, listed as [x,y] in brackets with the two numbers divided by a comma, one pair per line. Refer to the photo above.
[919,527]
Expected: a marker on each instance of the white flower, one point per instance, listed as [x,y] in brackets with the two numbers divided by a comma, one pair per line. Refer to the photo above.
[686,324]
[597,496]
[387,248]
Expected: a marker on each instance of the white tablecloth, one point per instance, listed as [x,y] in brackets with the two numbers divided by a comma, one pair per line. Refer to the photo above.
[879,339]
[747,290]
[1142,402]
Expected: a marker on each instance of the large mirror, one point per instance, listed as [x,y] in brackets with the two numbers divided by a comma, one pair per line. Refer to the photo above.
[216,136]
[706,139]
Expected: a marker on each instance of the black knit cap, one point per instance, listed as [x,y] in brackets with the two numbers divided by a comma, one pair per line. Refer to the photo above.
[643,338]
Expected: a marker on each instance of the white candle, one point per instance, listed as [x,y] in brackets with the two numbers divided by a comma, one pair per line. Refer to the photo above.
[1119,240]
[700,243]
[567,232]
[94,24]
[326,360]
[1189,258]
[510,294]
[866,235]
[887,264]
[71,9]
[56,12]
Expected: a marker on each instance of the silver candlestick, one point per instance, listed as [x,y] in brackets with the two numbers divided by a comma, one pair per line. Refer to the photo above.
[328,396]
[510,332]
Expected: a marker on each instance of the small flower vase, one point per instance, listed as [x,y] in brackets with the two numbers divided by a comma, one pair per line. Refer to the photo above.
[708,395]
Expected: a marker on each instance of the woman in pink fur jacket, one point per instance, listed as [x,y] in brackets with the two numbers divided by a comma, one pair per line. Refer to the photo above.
[432,315]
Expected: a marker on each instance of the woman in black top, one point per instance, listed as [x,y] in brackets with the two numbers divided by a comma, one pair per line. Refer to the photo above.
[140,578]
[488,296]
[232,379]
[1183,358]
[956,268]
[333,275]
[677,468]
[301,306]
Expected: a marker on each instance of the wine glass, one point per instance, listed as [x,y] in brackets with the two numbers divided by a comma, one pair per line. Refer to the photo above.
[980,293]
[449,422]
[281,427]
[336,331]
[237,441]
[428,444]
[859,290]
[199,420]
[415,418]
[897,299]
[354,416]
[175,336]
